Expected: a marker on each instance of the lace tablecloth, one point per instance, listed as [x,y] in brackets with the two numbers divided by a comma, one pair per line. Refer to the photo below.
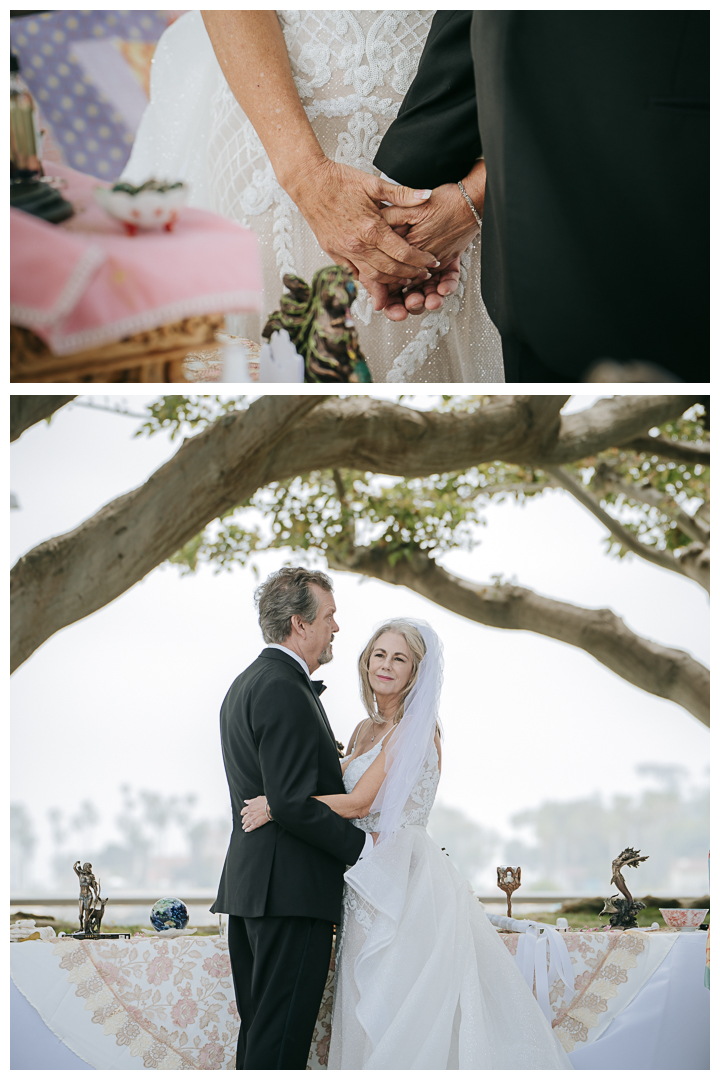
[149,1003]
[608,970]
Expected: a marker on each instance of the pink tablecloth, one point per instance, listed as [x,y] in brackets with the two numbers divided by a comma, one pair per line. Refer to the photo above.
[85,283]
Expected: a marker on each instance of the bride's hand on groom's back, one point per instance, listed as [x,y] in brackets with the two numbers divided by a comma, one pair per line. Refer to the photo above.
[255,813]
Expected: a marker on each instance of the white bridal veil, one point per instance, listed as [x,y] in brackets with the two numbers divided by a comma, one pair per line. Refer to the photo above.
[408,748]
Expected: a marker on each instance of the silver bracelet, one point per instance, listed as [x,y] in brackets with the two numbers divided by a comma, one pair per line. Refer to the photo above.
[469,201]
[267,811]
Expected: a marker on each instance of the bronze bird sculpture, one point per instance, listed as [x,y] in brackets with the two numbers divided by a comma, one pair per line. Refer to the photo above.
[317,318]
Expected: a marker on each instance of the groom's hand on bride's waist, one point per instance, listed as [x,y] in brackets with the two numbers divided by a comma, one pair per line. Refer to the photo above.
[342,206]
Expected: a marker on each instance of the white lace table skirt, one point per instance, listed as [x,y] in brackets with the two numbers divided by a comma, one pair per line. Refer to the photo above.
[170,1005]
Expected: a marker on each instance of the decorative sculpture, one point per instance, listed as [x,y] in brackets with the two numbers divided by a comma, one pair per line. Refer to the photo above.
[95,918]
[317,318]
[509,880]
[623,909]
[91,907]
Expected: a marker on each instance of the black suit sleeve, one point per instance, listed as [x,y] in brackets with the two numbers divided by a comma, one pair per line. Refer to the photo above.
[435,138]
[288,734]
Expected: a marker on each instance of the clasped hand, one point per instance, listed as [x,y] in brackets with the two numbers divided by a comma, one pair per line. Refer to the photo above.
[407,255]
[443,225]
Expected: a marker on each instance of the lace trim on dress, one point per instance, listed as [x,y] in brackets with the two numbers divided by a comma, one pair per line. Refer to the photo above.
[416,812]
[346,106]
[434,326]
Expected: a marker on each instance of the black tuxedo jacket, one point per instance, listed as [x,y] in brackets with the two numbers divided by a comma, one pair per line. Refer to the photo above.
[277,741]
[594,129]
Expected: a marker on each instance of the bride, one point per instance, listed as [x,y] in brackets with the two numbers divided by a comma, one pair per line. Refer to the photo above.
[422,981]
[349,73]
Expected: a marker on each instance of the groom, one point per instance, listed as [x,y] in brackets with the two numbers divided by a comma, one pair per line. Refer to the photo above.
[594,130]
[282,885]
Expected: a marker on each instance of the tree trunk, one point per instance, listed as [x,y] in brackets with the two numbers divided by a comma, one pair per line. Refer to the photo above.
[70,576]
[29,409]
[668,673]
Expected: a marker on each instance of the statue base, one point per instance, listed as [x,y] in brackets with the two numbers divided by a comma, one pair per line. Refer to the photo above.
[80,935]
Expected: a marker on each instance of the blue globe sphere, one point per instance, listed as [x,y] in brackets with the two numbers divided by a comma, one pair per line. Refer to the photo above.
[169,913]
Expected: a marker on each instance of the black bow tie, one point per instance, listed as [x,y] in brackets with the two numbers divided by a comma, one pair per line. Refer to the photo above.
[318,687]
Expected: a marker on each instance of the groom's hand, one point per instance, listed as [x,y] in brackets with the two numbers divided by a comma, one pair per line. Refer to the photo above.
[445,225]
[343,205]
[397,303]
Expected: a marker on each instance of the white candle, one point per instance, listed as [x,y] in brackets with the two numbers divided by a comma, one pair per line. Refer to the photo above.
[235,365]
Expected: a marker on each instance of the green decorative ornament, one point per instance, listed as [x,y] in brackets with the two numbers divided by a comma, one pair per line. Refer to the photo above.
[317,318]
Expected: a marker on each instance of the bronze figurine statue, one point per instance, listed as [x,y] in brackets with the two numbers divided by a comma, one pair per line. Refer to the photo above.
[91,907]
[317,318]
[623,909]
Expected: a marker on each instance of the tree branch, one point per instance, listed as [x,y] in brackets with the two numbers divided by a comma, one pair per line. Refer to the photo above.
[70,576]
[617,422]
[659,558]
[693,453]
[667,673]
[520,488]
[692,526]
[29,409]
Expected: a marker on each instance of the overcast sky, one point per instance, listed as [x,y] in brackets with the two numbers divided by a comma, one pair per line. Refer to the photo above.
[131,694]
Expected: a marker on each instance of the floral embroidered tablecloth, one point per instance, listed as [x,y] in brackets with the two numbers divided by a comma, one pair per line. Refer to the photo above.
[154,1004]
[608,969]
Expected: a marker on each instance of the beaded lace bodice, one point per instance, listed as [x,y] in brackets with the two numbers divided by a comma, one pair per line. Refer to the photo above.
[352,70]
[417,808]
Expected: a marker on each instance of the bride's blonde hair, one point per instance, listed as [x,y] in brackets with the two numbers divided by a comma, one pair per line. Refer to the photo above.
[416,648]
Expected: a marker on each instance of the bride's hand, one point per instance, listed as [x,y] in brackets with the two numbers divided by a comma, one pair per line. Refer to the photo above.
[253,813]
[342,206]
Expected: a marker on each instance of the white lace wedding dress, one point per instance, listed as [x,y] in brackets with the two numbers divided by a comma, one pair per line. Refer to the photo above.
[352,70]
[422,981]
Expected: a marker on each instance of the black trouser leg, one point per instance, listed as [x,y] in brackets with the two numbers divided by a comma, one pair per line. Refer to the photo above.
[241,961]
[279,965]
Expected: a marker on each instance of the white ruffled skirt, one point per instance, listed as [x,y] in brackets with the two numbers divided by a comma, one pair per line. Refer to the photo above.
[422,980]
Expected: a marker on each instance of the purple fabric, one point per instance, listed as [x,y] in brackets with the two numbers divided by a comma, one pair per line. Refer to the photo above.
[89,96]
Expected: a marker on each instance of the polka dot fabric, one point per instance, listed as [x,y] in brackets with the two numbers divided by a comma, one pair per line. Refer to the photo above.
[88,72]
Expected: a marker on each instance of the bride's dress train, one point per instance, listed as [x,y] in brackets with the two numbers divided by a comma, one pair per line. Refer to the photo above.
[352,70]
[422,981]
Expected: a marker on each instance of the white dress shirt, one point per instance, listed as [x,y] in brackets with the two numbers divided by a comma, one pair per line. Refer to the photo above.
[294,655]
[368,839]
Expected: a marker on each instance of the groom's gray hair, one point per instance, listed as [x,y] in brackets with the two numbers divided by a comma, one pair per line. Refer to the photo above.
[286,593]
